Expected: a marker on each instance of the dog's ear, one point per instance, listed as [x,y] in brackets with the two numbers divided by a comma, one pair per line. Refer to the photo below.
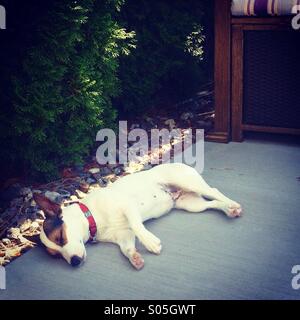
[50,208]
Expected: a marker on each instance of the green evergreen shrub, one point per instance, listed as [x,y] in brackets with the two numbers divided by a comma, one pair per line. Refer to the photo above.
[66,67]
[58,88]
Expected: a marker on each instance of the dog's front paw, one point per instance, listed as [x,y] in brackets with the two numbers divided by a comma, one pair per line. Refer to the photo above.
[137,261]
[151,242]
[156,249]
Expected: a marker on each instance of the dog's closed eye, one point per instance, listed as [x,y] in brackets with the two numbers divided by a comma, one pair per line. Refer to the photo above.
[61,237]
[55,231]
[59,241]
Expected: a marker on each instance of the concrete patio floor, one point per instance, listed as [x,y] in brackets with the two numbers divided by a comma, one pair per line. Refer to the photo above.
[205,255]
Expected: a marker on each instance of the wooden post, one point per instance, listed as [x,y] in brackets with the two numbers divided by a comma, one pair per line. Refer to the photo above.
[222,74]
[237,83]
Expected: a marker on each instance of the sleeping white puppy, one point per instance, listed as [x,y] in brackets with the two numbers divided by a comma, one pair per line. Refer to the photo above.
[116,213]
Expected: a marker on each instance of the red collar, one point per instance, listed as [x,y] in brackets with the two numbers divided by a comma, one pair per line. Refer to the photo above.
[91,220]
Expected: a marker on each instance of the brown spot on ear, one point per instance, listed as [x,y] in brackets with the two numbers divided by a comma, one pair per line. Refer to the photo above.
[50,208]
[55,230]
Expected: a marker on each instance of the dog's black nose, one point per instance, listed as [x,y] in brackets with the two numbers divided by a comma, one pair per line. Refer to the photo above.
[75,261]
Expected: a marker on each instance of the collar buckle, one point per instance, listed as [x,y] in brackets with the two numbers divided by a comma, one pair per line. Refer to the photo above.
[92,223]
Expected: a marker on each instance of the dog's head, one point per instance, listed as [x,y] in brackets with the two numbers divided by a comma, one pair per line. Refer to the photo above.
[63,231]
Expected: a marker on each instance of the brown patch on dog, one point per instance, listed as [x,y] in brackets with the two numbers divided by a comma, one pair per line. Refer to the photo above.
[51,209]
[55,230]
[53,253]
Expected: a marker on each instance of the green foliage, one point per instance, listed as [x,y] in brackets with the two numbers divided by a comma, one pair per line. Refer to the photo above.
[60,94]
[67,65]
[167,64]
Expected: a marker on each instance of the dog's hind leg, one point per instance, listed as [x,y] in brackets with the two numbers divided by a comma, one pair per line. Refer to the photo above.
[193,203]
[189,180]
[186,178]
[126,240]
[233,207]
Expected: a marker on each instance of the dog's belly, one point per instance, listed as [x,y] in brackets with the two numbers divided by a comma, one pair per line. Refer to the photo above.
[148,191]
[153,202]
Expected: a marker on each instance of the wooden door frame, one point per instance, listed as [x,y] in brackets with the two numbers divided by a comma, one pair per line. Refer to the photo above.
[237,125]
[228,71]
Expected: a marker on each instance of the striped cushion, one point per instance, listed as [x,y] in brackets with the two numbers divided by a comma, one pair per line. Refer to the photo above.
[263,7]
